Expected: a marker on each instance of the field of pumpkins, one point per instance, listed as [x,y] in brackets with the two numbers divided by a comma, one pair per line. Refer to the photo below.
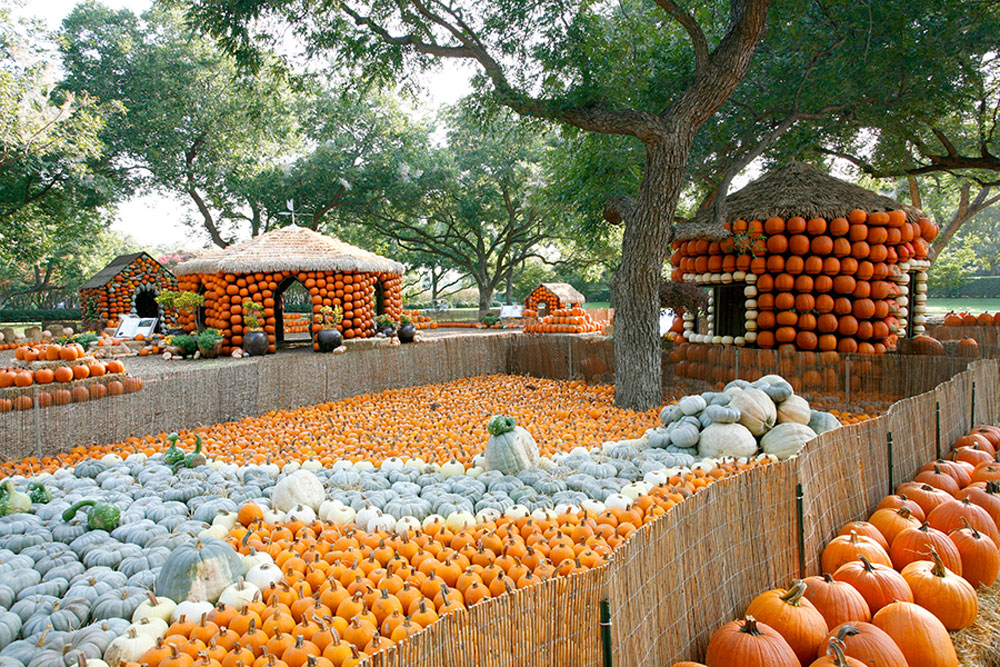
[172,551]
[892,587]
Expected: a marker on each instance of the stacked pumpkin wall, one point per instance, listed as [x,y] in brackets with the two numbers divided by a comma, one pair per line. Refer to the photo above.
[354,292]
[541,295]
[118,297]
[816,284]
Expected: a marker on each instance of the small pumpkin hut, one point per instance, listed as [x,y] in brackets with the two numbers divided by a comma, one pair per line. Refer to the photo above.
[128,285]
[555,296]
[262,268]
[807,260]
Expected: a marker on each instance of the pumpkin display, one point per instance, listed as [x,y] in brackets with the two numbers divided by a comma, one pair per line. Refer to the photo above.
[868,644]
[942,592]
[846,548]
[510,448]
[793,616]
[878,584]
[785,440]
[749,643]
[113,292]
[980,559]
[921,637]
[199,570]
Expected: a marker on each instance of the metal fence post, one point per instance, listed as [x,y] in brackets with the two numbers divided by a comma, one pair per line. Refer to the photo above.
[892,486]
[972,425]
[937,429]
[847,382]
[800,511]
[606,632]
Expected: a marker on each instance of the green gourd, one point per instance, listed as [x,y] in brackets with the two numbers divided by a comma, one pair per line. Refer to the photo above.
[101,516]
[38,493]
[195,458]
[500,424]
[174,455]
[13,501]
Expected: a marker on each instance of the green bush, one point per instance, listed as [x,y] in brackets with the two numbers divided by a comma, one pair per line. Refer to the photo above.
[981,287]
[38,314]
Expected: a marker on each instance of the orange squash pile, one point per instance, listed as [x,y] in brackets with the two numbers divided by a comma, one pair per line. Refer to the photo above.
[965,319]
[821,284]
[893,586]
[296,323]
[541,294]
[109,302]
[420,321]
[354,292]
[568,320]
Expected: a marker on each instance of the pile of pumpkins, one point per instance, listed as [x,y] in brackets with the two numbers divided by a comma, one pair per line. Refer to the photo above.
[892,587]
[742,421]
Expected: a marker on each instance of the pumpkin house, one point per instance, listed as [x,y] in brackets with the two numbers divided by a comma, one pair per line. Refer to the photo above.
[128,285]
[554,296]
[262,268]
[807,260]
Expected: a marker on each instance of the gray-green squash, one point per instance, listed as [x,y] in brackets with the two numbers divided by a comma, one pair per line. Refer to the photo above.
[199,570]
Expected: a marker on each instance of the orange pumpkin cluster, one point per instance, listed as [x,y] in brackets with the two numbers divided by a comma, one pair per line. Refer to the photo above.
[420,321]
[116,298]
[965,319]
[822,284]
[893,586]
[354,292]
[568,320]
[296,323]
[541,294]
[347,594]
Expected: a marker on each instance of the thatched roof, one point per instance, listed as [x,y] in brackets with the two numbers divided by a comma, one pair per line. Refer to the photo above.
[567,293]
[291,248]
[114,267]
[792,189]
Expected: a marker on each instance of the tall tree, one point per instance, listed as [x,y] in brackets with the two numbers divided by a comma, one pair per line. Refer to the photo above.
[194,125]
[601,67]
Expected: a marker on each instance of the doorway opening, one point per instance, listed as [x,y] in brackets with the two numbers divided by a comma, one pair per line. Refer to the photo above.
[292,307]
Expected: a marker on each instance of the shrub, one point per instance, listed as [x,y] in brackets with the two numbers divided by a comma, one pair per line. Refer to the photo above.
[38,314]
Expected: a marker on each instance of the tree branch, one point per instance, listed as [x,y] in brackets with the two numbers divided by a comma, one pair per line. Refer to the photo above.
[694,31]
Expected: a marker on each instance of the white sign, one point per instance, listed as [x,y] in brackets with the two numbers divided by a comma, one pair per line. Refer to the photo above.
[131,326]
[666,320]
[511,311]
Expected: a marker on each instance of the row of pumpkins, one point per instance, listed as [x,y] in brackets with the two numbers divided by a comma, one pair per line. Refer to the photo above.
[82,550]
[891,587]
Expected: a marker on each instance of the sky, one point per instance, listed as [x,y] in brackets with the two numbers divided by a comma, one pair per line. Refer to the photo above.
[159,219]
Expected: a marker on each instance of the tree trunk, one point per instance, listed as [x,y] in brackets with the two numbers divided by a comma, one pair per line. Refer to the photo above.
[435,278]
[509,296]
[645,246]
[485,297]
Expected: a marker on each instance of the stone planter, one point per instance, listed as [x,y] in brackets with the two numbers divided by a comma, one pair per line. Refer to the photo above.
[406,333]
[255,343]
[213,352]
[328,340]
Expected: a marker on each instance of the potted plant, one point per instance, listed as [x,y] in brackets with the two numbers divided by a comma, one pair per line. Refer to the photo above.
[209,343]
[182,345]
[254,339]
[406,329]
[328,338]
[385,325]
[185,302]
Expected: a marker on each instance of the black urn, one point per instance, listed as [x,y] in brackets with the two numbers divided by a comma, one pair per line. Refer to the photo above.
[328,340]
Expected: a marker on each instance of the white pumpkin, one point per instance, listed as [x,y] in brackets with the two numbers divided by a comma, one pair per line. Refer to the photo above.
[566,508]
[618,501]
[510,451]
[821,421]
[191,609]
[733,440]
[655,477]
[291,467]
[381,522]
[302,513]
[517,511]
[256,558]
[240,594]
[452,469]
[407,523]
[299,488]
[111,459]
[431,520]
[635,490]
[592,506]
[757,410]
[151,627]
[218,532]
[364,465]
[225,519]
[488,514]
[263,575]
[311,464]
[691,405]
[391,463]
[794,409]
[456,521]
[544,514]
[475,471]
[154,607]
[787,439]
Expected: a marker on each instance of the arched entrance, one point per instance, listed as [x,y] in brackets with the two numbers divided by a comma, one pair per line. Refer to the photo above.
[379,298]
[290,297]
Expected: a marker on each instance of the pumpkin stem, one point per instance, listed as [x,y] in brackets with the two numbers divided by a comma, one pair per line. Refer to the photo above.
[939,569]
[828,578]
[835,650]
[926,527]
[867,563]
[904,512]
[794,594]
[992,486]
[975,533]
[847,630]
[749,627]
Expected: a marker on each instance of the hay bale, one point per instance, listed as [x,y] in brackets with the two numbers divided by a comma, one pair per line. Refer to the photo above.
[979,644]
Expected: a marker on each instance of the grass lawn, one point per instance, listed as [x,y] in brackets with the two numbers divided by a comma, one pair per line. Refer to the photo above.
[942,306]
[19,326]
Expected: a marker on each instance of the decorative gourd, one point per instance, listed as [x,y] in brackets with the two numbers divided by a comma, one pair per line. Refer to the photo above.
[919,634]
[174,454]
[692,405]
[787,439]
[38,494]
[510,448]
[100,516]
[723,414]
[757,411]
[299,488]
[199,570]
[13,501]
[748,643]
[685,435]
[794,409]
[778,391]
[869,644]
[793,616]
[821,422]
[128,648]
[733,440]
[942,592]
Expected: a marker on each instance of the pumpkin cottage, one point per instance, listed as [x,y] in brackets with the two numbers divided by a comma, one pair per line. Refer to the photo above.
[807,260]
[128,285]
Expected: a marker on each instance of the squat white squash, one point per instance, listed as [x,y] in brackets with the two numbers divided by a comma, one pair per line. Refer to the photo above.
[239,595]
[733,440]
[299,488]
[691,405]
[794,409]
[757,411]
[127,648]
[154,607]
[510,448]
[787,439]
